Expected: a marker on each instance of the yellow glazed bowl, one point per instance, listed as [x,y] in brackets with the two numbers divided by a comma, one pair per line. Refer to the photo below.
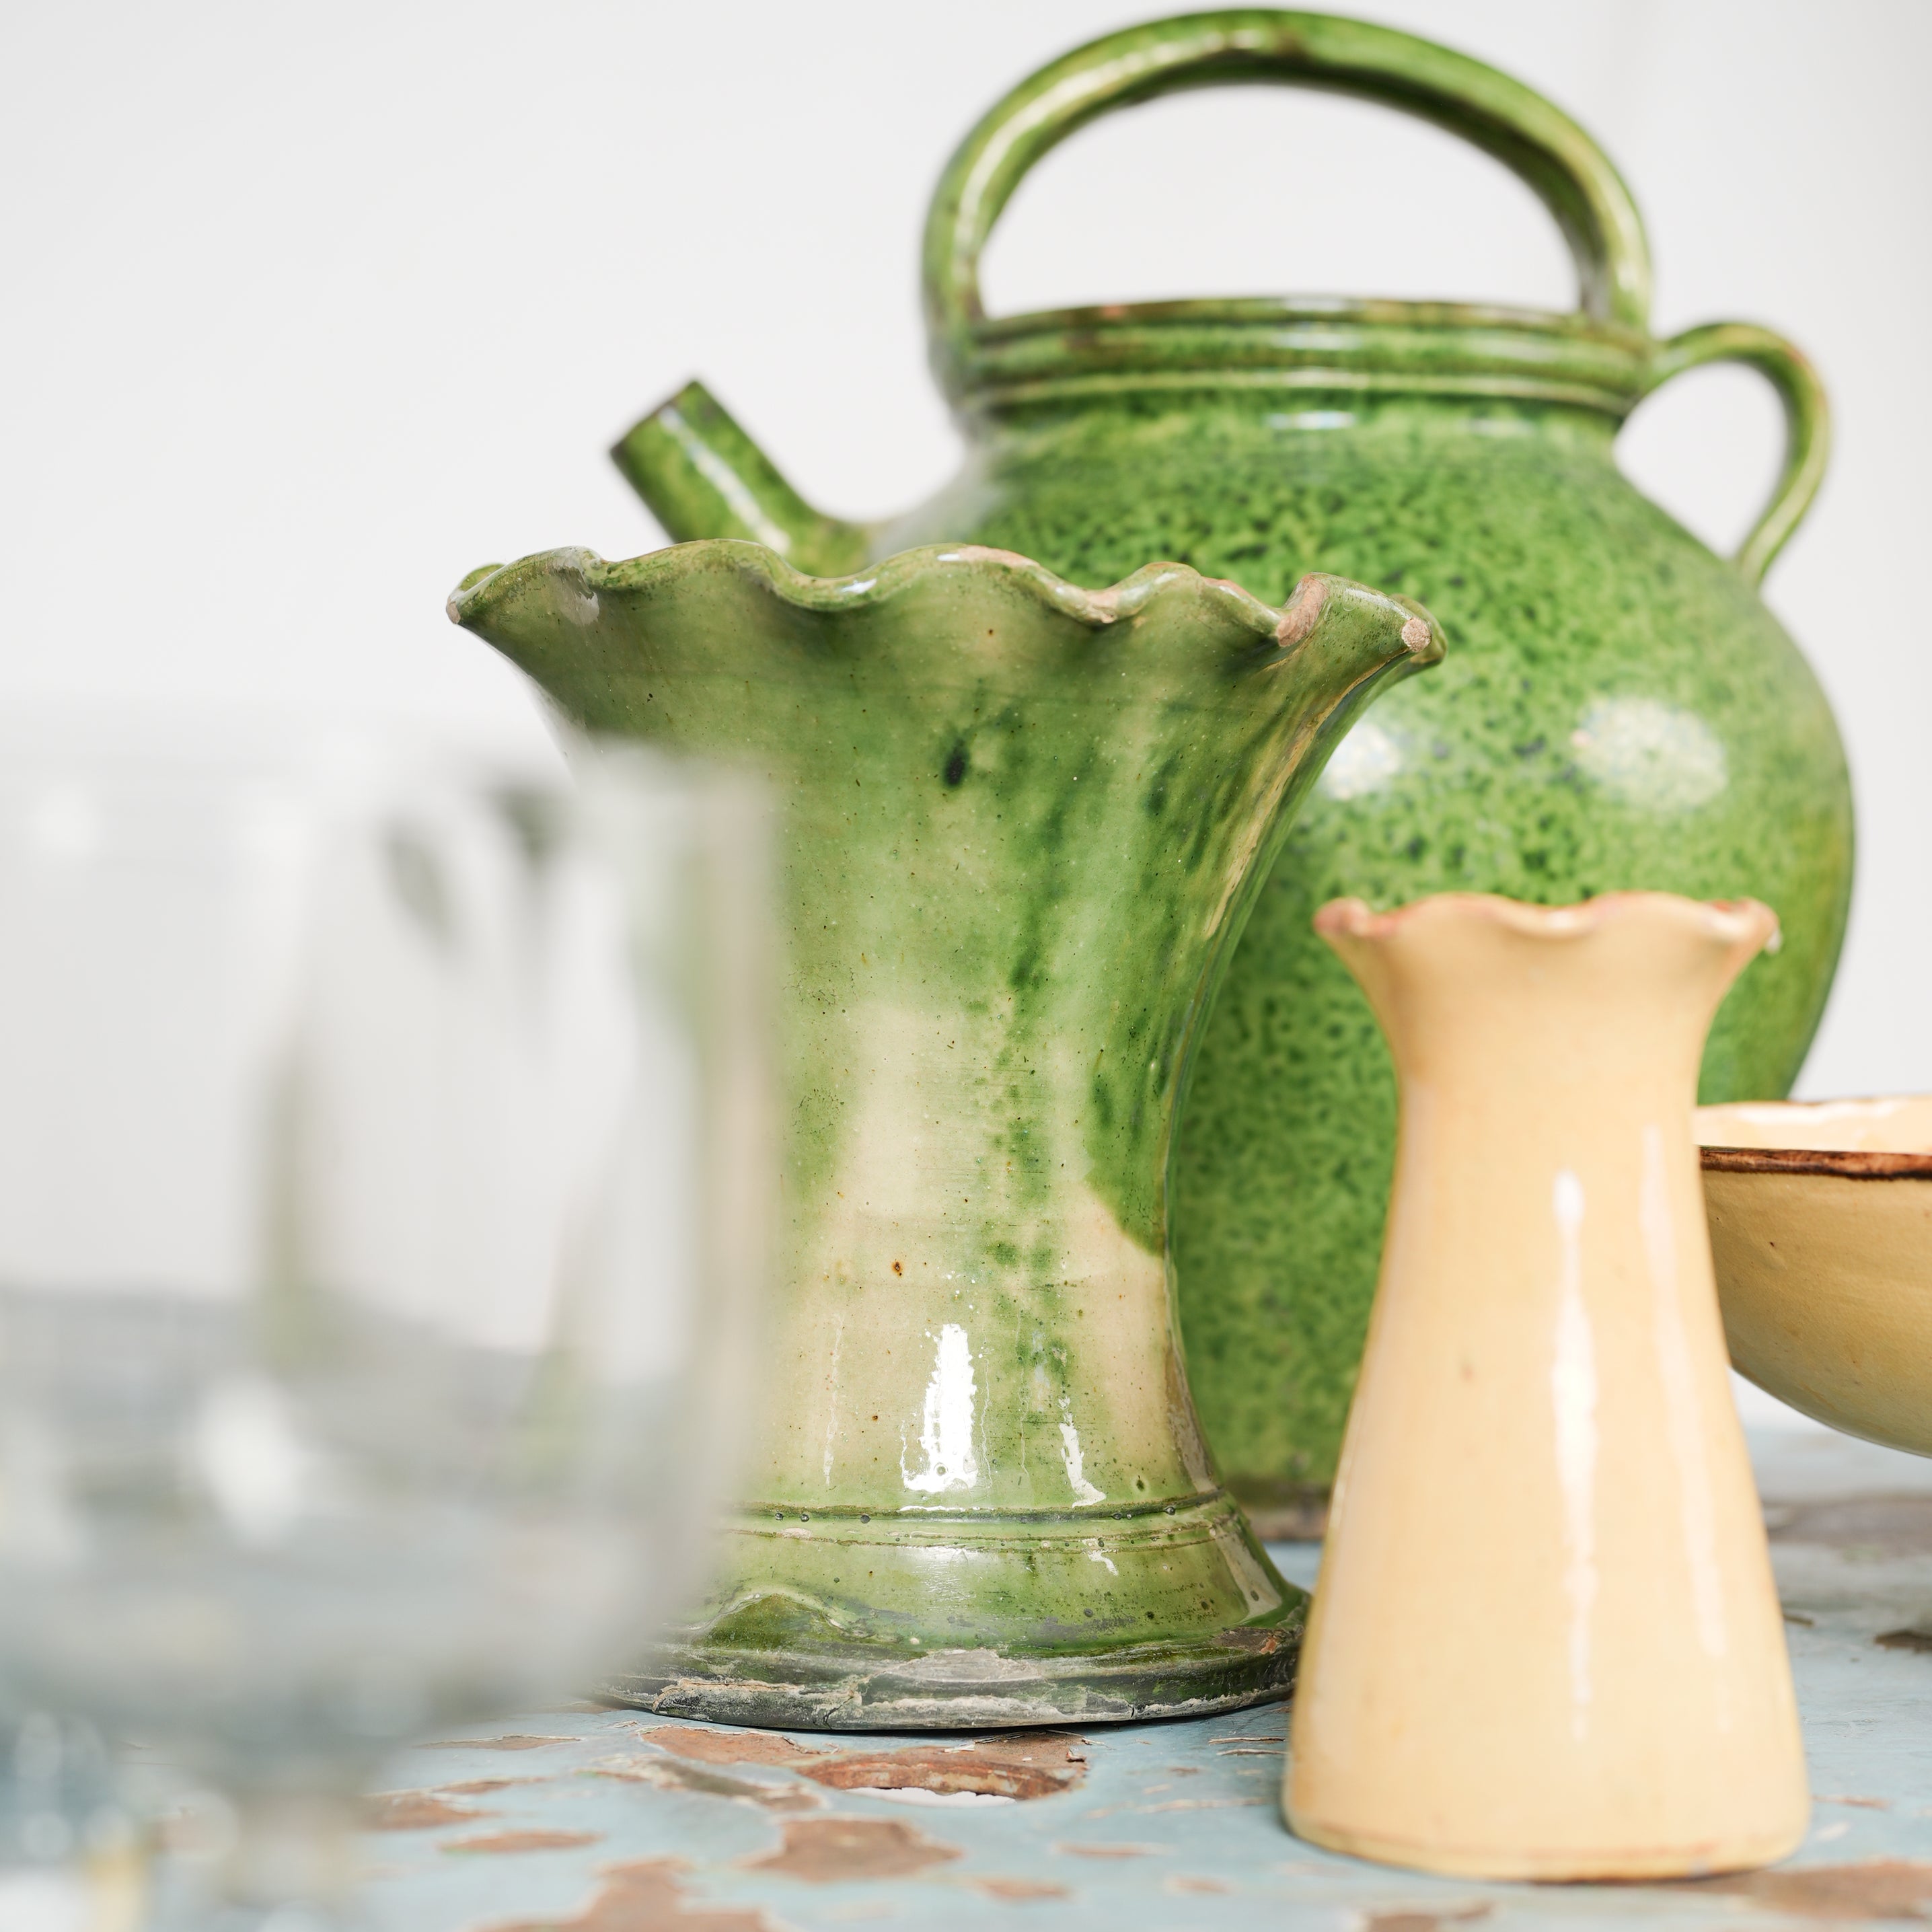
[1821,1228]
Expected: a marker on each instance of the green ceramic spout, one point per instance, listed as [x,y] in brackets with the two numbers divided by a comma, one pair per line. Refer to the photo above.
[700,475]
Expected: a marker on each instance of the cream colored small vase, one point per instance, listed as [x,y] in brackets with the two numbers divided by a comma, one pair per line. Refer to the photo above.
[1545,1643]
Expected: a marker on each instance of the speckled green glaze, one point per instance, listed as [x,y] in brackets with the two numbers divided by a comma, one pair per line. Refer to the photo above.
[1619,710]
[1022,825]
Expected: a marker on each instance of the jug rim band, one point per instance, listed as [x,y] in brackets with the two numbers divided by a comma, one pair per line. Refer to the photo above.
[1301,343]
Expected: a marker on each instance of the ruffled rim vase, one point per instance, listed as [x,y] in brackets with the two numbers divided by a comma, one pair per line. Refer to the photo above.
[1021,824]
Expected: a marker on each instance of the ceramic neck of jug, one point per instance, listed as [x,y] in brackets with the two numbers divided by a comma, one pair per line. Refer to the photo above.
[1301,354]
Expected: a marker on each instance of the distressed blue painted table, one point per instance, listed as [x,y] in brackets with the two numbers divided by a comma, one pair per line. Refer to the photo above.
[590,1820]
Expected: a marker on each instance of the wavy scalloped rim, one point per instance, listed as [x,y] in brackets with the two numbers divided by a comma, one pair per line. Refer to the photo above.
[592,574]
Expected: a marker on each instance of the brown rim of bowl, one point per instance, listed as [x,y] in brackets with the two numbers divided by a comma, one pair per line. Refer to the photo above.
[1848,1164]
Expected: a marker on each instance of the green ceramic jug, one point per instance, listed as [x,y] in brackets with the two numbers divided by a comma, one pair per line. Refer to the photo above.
[1020,826]
[1619,708]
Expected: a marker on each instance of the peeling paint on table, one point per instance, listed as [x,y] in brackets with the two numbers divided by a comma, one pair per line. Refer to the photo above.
[586,1819]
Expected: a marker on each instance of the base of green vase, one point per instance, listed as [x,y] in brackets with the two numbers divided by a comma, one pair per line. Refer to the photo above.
[932,1620]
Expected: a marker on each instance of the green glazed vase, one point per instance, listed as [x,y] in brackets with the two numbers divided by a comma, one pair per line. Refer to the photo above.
[1021,825]
[1619,710]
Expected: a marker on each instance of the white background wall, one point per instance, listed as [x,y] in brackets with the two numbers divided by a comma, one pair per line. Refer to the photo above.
[307,309]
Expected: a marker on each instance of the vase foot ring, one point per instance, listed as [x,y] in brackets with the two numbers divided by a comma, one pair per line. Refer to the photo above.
[962,1690]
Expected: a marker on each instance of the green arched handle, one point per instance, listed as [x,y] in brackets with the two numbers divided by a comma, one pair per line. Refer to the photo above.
[1807,422]
[1566,169]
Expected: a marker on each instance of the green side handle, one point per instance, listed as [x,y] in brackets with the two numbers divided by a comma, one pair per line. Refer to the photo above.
[1808,423]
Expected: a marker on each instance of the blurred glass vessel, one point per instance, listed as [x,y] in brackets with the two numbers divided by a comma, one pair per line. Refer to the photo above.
[382,1177]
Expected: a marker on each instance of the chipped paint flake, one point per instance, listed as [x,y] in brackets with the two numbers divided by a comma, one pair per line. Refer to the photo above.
[646,1895]
[727,1744]
[1038,1764]
[828,1851]
[503,1842]
[414,1811]
[1017,1890]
